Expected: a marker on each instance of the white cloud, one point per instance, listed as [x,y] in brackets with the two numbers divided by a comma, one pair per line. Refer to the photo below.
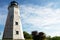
[2,19]
[3,14]
[47,15]
[44,18]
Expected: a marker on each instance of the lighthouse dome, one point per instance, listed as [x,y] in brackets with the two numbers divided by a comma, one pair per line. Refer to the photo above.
[13,3]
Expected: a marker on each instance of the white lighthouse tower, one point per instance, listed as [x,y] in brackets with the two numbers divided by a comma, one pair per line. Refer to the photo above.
[13,26]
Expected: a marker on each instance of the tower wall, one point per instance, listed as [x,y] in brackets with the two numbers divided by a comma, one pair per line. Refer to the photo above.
[8,30]
[17,27]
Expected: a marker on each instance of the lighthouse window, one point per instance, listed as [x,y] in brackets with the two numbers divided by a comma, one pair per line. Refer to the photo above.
[17,32]
[16,23]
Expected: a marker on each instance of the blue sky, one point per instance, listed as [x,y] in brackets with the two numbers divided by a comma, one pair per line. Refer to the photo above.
[40,15]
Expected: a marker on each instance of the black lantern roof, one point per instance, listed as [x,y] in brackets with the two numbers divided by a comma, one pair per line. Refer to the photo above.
[13,3]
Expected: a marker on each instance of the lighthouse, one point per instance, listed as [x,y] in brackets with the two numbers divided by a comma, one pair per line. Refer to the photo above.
[13,27]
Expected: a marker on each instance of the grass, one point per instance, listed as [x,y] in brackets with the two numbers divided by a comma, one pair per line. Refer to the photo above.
[28,39]
[25,39]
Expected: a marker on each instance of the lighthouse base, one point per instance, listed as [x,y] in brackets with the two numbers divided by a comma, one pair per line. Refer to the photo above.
[12,39]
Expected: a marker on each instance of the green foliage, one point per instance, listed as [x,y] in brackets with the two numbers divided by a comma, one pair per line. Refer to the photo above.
[27,35]
[49,38]
[28,39]
[56,38]
[53,38]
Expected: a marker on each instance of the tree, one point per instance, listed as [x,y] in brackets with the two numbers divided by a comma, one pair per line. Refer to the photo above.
[35,35]
[49,38]
[27,35]
[38,36]
[42,36]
